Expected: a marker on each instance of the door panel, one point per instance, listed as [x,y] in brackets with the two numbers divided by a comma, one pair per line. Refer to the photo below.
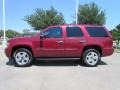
[73,47]
[74,42]
[51,48]
[52,43]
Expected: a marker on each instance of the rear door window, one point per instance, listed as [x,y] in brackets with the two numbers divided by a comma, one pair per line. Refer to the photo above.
[97,31]
[74,32]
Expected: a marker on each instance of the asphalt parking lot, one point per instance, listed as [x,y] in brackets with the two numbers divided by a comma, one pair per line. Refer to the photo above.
[60,75]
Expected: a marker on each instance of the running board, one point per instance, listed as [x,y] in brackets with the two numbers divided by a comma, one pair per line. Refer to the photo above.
[57,58]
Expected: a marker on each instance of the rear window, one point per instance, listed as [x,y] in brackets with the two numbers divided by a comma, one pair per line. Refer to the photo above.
[97,31]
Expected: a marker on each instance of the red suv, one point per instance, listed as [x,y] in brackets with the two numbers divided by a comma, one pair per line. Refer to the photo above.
[87,42]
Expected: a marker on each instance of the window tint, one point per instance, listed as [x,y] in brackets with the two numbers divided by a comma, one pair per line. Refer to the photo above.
[97,31]
[54,32]
[74,32]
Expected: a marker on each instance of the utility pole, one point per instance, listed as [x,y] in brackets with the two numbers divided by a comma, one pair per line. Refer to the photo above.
[76,12]
[4,36]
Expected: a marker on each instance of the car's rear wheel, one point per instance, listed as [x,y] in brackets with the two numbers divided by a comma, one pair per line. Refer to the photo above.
[91,57]
[22,57]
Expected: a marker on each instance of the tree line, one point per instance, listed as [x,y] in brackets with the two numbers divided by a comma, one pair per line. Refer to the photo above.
[116,33]
[9,33]
[87,14]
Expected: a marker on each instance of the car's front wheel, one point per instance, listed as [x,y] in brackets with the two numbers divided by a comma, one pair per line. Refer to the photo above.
[22,57]
[91,57]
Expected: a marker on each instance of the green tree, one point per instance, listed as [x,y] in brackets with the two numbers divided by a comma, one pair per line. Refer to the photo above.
[26,31]
[116,33]
[9,33]
[44,18]
[91,14]
[1,33]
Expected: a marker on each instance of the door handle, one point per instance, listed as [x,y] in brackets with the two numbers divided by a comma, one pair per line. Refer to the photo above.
[59,41]
[83,41]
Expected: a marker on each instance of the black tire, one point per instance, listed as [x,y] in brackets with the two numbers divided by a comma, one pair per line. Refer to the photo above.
[86,58]
[29,57]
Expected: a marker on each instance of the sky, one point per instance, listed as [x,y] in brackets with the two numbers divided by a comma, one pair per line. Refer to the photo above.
[16,10]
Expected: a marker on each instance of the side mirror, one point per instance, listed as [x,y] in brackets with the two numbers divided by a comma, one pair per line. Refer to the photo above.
[42,36]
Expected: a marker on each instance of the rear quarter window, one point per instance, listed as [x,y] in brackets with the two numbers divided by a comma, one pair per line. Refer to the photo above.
[97,31]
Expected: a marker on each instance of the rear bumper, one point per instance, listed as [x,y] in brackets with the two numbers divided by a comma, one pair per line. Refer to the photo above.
[107,52]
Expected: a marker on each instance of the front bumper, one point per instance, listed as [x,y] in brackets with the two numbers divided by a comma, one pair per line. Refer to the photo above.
[8,52]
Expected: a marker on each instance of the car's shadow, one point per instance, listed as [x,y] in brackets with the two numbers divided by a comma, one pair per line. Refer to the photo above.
[62,62]
[56,62]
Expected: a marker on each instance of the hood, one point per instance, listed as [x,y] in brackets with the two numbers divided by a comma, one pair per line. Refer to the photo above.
[21,39]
